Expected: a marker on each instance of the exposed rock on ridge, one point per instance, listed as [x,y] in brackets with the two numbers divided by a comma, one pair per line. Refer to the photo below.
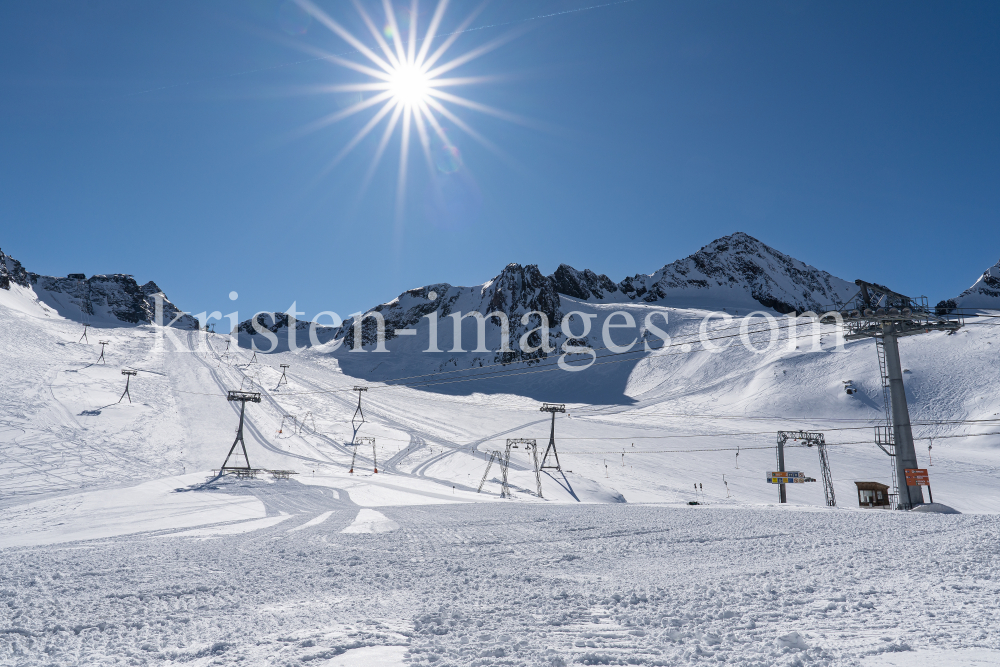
[735,270]
[117,296]
[11,271]
[983,295]
[517,290]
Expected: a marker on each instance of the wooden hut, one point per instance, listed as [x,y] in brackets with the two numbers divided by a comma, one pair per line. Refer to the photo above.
[872,494]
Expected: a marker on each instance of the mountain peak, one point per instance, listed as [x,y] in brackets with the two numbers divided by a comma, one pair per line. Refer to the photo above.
[984,293]
[736,271]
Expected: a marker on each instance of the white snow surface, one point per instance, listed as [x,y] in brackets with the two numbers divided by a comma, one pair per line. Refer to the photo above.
[371,521]
[118,546]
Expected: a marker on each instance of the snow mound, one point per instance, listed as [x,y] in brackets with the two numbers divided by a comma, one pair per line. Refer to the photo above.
[793,640]
[384,656]
[935,508]
[589,491]
[371,521]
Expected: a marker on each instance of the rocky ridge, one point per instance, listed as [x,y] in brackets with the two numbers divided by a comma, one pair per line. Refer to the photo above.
[736,271]
[115,297]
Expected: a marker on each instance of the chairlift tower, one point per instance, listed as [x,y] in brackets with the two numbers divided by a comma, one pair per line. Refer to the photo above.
[283,379]
[504,460]
[302,422]
[84,336]
[100,359]
[887,316]
[364,441]
[225,356]
[553,408]
[129,374]
[809,439]
[286,418]
[357,412]
[241,471]
[528,444]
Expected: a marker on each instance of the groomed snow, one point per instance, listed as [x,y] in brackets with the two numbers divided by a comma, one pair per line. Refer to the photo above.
[516,584]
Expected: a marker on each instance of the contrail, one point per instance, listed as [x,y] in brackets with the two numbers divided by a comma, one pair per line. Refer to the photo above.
[346,53]
[540,16]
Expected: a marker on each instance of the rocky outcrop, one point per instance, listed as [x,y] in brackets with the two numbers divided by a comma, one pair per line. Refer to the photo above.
[582,284]
[11,271]
[517,290]
[116,296]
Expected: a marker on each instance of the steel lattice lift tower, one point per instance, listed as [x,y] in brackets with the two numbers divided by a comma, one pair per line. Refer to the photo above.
[810,439]
[283,379]
[888,316]
[100,359]
[241,471]
[84,336]
[497,455]
[358,411]
[553,408]
[503,458]
[129,374]
[364,441]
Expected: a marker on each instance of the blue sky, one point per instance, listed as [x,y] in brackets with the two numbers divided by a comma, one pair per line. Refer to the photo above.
[163,139]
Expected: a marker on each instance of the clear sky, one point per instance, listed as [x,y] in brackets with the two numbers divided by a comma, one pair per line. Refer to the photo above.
[168,140]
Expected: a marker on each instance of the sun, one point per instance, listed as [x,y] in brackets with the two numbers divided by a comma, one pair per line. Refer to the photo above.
[410,85]
[405,78]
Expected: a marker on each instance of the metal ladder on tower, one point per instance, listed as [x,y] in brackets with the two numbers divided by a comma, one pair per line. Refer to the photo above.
[884,436]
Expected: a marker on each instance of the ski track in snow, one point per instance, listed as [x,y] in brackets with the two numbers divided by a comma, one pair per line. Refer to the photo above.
[514,584]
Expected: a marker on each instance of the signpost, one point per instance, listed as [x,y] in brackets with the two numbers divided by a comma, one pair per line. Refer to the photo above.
[918,477]
[788,477]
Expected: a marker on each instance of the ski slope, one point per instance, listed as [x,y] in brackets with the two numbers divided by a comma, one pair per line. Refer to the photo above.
[115,548]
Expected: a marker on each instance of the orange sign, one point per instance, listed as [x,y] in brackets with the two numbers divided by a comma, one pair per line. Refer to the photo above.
[917,477]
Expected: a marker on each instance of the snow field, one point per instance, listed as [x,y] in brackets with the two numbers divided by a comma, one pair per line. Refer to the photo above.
[511,584]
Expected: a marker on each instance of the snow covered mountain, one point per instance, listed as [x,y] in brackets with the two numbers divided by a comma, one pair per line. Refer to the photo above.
[983,295]
[735,272]
[111,300]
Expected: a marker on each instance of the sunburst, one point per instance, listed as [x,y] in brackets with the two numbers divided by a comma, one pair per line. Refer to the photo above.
[406,82]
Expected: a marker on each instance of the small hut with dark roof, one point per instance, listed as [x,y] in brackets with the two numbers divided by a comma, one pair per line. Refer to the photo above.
[872,494]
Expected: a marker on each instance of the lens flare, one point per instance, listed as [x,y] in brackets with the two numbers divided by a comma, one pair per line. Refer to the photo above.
[447,159]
